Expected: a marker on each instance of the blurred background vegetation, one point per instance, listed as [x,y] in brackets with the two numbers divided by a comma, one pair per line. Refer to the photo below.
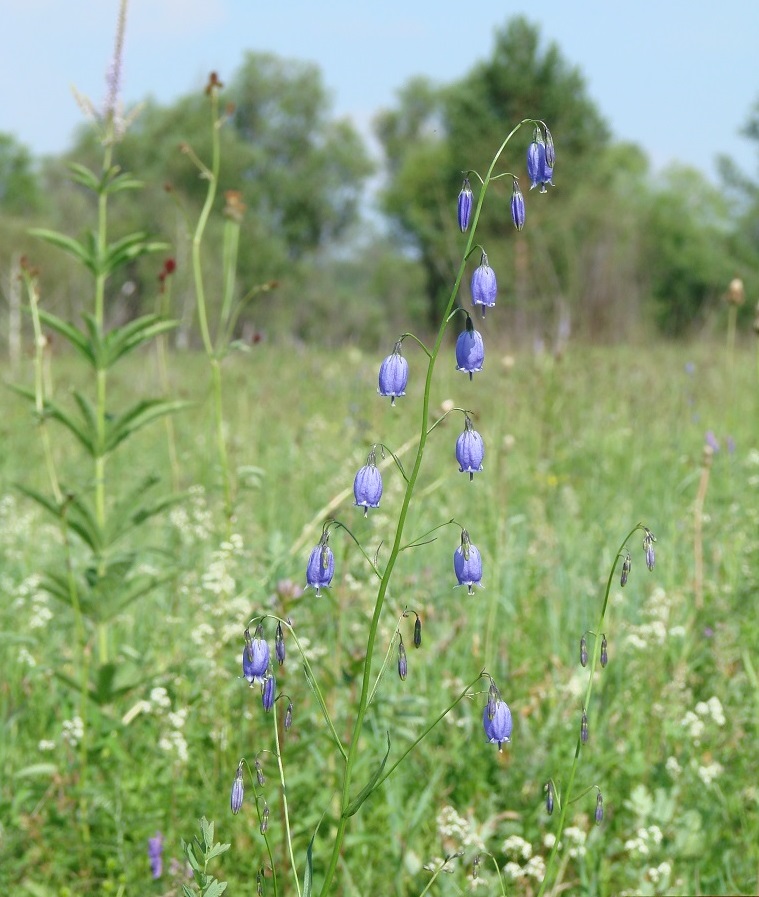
[342,227]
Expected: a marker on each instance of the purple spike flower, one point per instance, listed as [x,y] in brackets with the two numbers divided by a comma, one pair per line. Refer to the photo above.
[321,565]
[470,450]
[267,692]
[465,205]
[367,486]
[255,656]
[483,285]
[238,790]
[155,854]
[393,375]
[467,563]
[498,728]
[517,206]
[470,350]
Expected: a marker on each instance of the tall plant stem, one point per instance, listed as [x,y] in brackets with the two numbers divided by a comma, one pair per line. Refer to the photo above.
[566,794]
[212,175]
[396,547]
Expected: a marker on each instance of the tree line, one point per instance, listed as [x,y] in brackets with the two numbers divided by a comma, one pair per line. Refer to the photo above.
[624,252]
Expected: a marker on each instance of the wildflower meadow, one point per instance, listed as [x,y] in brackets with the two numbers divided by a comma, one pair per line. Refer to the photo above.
[447,616]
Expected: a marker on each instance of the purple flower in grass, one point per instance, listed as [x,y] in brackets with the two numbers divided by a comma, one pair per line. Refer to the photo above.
[470,350]
[393,375]
[467,563]
[470,450]
[483,285]
[517,206]
[498,727]
[238,790]
[367,486]
[465,205]
[155,854]
[539,170]
[255,656]
[321,565]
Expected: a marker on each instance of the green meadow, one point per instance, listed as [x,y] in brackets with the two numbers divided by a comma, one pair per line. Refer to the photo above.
[118,726]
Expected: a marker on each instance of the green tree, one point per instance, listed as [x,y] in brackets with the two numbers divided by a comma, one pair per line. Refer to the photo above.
[19,185]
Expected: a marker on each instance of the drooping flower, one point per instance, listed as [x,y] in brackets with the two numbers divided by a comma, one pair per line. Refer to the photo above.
[498,728]
[393,375]
[402,661]
[418,632]
[626,567]
[465,205]
[483,285]
[583,651]
[367,486]
[289,716]
[279,644]
[321,565]
[539,170]
[599,814]
[517,206]
[267,692]
[648,547]
[255,656]
[550,149]
[470,350]
[238,790]
[549,798]
[470,450]
[467,563]
[155,854]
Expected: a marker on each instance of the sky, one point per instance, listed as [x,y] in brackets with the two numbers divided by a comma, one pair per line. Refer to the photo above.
[678,78]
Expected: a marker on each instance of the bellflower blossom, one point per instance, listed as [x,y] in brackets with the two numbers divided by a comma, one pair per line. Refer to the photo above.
[393,375]
[517,206]
[538,169]
[367,486]
[321,565]
[483,285]
[255,656]
[496,721]
[155,854]
[470,350]
[238,791]
[470,450]
[467,563]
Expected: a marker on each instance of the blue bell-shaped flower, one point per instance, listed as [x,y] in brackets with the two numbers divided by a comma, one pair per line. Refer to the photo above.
[483,285]
[321,565]
[255,656]
[498,727]
[517,206]
[465,205]
[367,486]
[393,375]
[470,350]
[467,563]
[470,450]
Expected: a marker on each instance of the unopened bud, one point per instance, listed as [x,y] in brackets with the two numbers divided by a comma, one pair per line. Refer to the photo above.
[402,660]
[599,809]
[418,632]
[604,651]
[584,727]
[583,651]
[549,798]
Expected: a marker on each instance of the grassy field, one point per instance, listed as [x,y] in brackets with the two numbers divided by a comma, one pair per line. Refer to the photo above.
[578,451]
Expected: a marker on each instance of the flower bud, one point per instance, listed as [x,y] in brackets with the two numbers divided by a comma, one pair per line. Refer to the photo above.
[238,790]
[599,815]
[549,798]
[289,716]
[626,566]
[267,692]
[402,661]
[550,149]
[584,727]
[260,774]
[465,205]
[483,285]
[517,206]
[279,645]
[265,819]
[417,632]
[648,547]
[583,651]
[604,651]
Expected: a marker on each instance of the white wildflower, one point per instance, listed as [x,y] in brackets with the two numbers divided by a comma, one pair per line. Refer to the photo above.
[710,772]
[673,767]
[536,868]
[513,871]
[46,744]
[72,731]
[515,846]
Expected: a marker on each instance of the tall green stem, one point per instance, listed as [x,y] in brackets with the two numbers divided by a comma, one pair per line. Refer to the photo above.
[397,542]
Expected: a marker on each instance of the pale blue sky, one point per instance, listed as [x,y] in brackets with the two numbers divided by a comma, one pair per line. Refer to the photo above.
[676,77]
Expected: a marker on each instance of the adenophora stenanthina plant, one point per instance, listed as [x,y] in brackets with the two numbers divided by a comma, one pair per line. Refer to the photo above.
[321,571]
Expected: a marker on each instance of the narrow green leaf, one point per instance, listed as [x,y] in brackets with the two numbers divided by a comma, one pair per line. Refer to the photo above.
[139,415]
[84,176]
[68,331]
[68,244]
[123,181]
[215,889]
[44,501]
[124,339]
[354,805]
[308,875]
[188,892]
[54,410]
[36,769]
[206,829]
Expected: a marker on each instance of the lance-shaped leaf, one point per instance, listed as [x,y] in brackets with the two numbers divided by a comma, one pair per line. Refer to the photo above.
[128,248]
[80,251]
[80,174]
[69,332]
[121,340]
[354,805]
[139,415]
[54,410]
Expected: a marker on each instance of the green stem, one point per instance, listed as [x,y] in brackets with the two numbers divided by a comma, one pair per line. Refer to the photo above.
[566,797]
[396,548]
[283,793]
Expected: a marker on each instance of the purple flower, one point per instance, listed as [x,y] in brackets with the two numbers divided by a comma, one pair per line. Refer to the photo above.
[470,350]
[255,656]
[498,728]
[470,450]
[465,205]
[599,814]
[367,486]
[550,149]
[238,790]
[712,441]
[289,716]
[393,375]
[155,854]
[467,563]
[402,660]
[648,547]
[279,645]
[267,692]
[517,206]
[321,565]
[539,170]
[483,285]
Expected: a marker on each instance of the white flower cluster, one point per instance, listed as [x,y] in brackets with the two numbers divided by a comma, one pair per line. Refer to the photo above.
[710,772]
[646,840]
[72,731]
[534,868]
[172,740]
[660,874]
[462,832]
[33,603]
[653,631]
[694,722]
[193,518]
[517,847]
